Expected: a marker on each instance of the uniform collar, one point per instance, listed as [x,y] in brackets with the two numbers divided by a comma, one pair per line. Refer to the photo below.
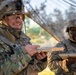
[12,31]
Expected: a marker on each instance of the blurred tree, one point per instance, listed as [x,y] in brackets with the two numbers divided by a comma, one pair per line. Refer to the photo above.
[70,13]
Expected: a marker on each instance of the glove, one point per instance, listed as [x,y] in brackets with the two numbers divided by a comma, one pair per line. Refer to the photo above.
[56,57]
[54,63]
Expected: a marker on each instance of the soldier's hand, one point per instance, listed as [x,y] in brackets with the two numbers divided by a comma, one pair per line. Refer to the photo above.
[41,55]
[55,57]
[31,49]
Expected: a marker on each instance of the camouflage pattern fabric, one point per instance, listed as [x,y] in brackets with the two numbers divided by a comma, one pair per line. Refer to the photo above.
[17,61]
[63,66]
[11,7]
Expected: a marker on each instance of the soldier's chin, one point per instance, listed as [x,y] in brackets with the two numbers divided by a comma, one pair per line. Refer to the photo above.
[19,29]
[74,39]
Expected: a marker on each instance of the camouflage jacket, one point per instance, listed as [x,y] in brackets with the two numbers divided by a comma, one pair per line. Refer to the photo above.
[65,66]
[14,60]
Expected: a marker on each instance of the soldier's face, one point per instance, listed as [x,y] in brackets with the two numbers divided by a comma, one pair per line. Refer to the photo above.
[72,34]
[15,21]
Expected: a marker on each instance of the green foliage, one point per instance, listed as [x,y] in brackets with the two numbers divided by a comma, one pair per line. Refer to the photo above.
[46,34]
[37,34]
[33,31]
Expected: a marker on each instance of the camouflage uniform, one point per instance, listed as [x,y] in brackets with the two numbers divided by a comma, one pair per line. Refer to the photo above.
[14,60]
[65,66]
[60,66]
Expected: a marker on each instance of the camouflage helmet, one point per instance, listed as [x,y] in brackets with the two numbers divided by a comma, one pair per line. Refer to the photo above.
[8,7]
[71,29]
[71,23]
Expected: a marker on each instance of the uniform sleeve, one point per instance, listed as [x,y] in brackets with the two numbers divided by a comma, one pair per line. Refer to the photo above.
[34,64]
[55,62]
[12,60]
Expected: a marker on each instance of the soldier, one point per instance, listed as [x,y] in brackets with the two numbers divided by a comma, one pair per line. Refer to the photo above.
[65,66]
[17,55]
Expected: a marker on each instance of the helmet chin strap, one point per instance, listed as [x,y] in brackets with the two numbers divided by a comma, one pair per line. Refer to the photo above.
[5,21]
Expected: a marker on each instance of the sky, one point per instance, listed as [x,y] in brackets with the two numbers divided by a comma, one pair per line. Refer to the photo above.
[52,4]
[59,4]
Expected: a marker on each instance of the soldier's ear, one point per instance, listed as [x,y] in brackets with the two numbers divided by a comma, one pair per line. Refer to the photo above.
[4,20]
